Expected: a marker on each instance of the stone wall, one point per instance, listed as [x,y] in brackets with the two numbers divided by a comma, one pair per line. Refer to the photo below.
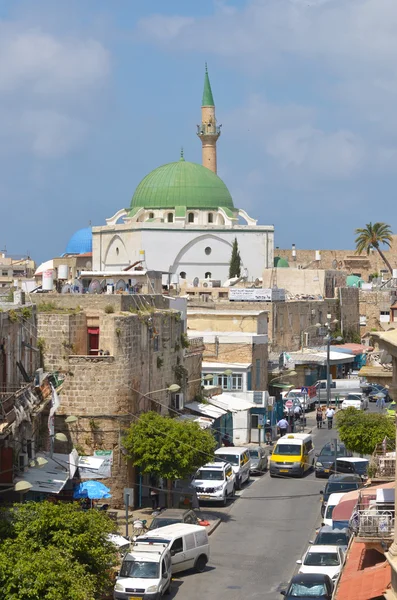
[119,302]
[371,303]
[105,392]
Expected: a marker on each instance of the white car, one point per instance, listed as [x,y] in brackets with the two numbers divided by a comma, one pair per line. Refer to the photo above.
[327,560]
[357,401]
[215,482]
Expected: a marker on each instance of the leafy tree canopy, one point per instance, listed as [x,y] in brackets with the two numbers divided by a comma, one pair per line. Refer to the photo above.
[52,551]
[235,261]
[361,431]
[166,447]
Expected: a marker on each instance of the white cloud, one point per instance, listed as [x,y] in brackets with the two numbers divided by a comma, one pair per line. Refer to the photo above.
[48,86]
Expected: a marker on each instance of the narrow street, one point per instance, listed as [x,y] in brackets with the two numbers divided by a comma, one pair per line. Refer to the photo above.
[265,530]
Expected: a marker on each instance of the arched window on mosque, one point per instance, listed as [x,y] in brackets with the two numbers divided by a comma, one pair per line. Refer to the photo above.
[210,218]
[170,217]
[190,218]
[151,215]
[182,275]
[208,275]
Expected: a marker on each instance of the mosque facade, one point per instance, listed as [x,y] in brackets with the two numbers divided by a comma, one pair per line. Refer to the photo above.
[182,220]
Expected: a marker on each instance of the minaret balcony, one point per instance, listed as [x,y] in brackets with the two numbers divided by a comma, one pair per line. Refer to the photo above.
[208,129]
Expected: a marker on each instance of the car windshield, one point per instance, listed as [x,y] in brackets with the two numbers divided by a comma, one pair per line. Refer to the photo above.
[233,459]
[307,590]
[346,486]
[321,559]
[210,474]
[288,449]
[359,467]
[254,454]
[329,538]
[329,511]
[329,451]
[139,569]
[158,522]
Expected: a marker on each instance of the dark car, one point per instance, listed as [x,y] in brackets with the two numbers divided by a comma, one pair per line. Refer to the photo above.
[351,464]
[309,586]
[375,388]
[339,483]
[326,458]
[170,516]
[326,536]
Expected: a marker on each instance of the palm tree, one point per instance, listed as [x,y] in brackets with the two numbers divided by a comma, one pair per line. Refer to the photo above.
[371,237]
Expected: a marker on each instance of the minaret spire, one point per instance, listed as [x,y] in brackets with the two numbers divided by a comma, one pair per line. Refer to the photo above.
[208,131]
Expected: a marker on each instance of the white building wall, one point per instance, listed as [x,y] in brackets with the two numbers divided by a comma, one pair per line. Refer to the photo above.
[241,427]
[170,247]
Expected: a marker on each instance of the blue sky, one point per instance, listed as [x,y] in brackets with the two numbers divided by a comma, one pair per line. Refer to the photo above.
[95,94]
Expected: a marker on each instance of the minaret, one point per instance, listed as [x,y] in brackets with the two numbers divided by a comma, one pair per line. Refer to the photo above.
[208,131]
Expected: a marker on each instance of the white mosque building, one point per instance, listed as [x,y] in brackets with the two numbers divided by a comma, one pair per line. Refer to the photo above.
[182,221]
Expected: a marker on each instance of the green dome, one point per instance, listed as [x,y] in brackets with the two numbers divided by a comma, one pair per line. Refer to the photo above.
[184,184]
[280,262]
[354,281]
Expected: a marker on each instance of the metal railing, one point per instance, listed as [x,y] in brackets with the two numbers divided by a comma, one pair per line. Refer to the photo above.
[375,523]
[196,344]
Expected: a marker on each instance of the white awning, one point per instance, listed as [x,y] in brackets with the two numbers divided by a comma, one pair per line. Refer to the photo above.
[207,410]
[204,422]
[231,403]
[52,477]
[45,266]
[89,466]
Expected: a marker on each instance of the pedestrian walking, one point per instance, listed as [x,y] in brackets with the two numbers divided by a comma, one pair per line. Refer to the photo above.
[319,418]
[154,494]
[283,426]
[297,412]
[330,415]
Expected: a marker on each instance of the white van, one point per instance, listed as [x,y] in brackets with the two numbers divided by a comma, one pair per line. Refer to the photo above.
[240,460]
[339,387]
[333,501]
[145,571]
[214,482]
[188,545]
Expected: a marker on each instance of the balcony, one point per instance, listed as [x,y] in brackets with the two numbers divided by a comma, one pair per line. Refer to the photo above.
[196,346]
[375,524]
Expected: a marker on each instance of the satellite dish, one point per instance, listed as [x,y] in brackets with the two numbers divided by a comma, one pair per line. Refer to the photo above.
[334,263]
[205,284]
[257,282]
[66,289]
[196,281]
[121,286]
[88,264]
[95,287]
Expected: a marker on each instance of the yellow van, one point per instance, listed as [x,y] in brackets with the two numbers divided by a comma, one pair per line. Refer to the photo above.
[292,455]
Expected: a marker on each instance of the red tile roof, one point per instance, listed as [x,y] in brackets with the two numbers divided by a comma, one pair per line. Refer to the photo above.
[362,584]
[356,348]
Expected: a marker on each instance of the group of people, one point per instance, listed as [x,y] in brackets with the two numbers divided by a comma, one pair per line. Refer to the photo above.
[329,415]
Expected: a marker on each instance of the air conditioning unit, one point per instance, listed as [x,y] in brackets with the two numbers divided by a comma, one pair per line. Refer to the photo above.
[22,461]
[207,283]
[177,401]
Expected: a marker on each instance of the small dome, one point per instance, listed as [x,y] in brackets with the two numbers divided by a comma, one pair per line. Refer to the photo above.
[80,242]
[280,263]
[185,184]
[354,281]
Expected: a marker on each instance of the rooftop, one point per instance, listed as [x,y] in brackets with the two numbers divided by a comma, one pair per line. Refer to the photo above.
[358,583]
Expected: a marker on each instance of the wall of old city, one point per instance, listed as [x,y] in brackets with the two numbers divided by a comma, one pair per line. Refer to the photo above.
[372,303]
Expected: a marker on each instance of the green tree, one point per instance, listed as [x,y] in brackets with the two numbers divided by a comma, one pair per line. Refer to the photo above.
[235,261]
[372,236]
[166,447]
[361,432]
[51,551]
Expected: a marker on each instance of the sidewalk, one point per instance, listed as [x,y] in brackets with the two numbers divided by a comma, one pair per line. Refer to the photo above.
[146,514]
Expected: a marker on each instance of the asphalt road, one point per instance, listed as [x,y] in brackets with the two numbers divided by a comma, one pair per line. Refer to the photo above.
[265,530]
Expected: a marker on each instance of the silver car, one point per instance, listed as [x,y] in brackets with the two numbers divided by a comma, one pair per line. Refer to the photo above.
[259,459]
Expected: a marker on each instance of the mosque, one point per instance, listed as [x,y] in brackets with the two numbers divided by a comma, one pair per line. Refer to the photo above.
[182,221]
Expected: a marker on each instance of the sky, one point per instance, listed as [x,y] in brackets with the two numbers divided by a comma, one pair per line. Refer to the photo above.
[96,94]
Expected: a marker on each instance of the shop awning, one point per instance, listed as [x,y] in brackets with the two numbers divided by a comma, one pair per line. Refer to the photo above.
[232,403]
[52,477]
[89,466]
[208,410]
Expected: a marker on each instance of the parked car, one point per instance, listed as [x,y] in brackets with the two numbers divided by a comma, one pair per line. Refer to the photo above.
[357,401]
[170,516]
[371,389]
[351,464]
[239,458]
[259,459]
[313,586]
[326,536]
[339,483]
[333,501]
[327,560]
[215,482]
[325,459]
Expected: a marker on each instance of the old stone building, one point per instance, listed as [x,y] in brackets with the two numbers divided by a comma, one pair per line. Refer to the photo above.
[346,260]
[235,340]
[375,310]
[120,353]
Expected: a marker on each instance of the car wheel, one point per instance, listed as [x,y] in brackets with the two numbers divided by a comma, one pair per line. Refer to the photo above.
[238,484]
[201,563]
[167,592]
[317,475]
[224,500]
